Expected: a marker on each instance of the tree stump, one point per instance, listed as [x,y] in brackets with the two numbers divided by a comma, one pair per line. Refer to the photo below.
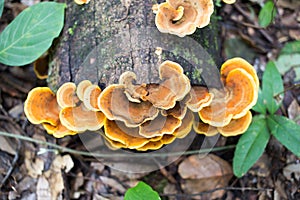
[102,39]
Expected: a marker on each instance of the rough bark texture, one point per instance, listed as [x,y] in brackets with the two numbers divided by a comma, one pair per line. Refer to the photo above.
[102,39]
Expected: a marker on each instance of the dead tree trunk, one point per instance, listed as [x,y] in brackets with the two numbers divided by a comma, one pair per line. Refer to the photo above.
[104,38]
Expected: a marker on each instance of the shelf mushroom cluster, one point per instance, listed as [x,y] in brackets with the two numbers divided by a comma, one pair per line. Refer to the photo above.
[182,17]
[69,112]
[229,111]
[148,116]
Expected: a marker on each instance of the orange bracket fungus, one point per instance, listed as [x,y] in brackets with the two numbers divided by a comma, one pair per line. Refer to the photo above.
[41,106]
[81,2]
[115,105]
[200,97]
[229,109]
[90,97]
[75,115]
[147,116]
[81,88]
[174,87]
[182,17]
[240,95]
[229,1]
[80,119]
[66,95]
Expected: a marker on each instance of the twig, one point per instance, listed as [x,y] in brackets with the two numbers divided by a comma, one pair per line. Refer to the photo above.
[109,155]
[245,14]
[287,89]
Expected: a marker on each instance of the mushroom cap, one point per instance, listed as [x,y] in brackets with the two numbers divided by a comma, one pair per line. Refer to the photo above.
[133,92]
[229,1]
[179,110]
[80,119]
[203,128]
[90,97]
[200,97]
[66,95]
[119,132]
[182,17]
[174,86]
[80,2]
[241,95]
[237,62]
[40,67]
[154,145]
[159,126]
[58,131]
[41,106]
[151,146]
[186,126]
[236,126]
[115,105]
[81,88]
[113,145]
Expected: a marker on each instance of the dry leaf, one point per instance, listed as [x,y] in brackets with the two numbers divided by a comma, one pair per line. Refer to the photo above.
[113,184]
[292,168]
[203,174]
[43,190]
[7,146]
[294,111]
[34,166]
[54,175]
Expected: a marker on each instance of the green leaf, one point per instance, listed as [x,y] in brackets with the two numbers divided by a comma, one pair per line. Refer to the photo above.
[250,146]
[291,48]
[272,85]
[1,7]
[260,105]
[267,14]
[285,131]
[31,33]
[141,191]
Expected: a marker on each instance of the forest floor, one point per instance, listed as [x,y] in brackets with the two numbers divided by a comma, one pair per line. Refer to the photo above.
[29,170]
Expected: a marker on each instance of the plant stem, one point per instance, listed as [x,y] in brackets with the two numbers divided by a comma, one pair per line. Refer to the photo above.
[110,155]
[287,89]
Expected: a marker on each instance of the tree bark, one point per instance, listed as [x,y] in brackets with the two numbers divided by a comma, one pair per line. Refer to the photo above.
[102,39]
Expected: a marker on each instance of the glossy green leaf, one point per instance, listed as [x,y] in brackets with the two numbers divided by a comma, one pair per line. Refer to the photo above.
[260,105]
[285,131]
[291,48]
[272,85]
[250,146]
[141,191]
[31,33]
[267,14]
[1,7]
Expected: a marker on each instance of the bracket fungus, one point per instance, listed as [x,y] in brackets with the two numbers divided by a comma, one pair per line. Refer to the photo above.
[115,105]
[90,97]
[200,97]
[66,95]
[80,119]
[236,126]
[240,95]
[81,88]
[182,17]
[175,85]
[147,116]
[41,106]
[159,126]
[81,2]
